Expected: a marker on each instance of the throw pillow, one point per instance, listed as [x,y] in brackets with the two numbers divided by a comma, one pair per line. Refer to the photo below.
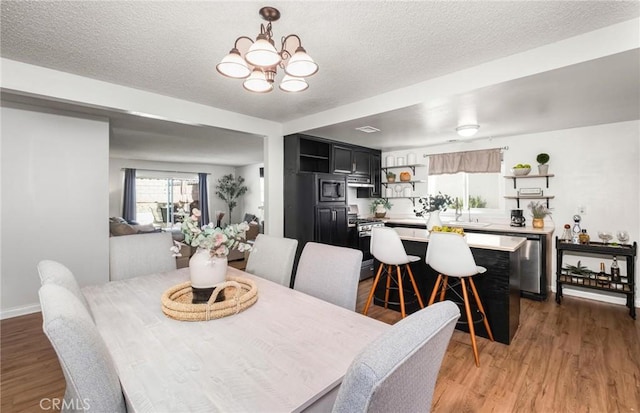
[118,228]
[141,229]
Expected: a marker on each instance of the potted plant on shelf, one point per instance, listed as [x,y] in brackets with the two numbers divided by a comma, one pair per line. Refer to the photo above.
[543,168]
[391,177]
[539,213]
[379,207]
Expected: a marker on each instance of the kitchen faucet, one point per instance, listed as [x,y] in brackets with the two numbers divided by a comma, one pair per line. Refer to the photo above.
[458,210]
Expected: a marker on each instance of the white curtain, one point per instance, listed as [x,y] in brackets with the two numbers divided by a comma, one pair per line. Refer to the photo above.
[486,160]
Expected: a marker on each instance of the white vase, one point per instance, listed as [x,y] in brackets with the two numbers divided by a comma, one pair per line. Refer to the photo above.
[207,271]
[543,169]
[434,220]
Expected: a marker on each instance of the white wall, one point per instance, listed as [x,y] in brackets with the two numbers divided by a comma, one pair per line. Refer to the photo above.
[54,202]
[116,180]
[251,202]
[595,167]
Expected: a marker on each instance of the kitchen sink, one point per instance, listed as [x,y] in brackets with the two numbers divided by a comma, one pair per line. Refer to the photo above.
[468,224]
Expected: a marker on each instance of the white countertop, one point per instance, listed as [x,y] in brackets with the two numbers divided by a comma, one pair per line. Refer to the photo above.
[480,226]
[475,240]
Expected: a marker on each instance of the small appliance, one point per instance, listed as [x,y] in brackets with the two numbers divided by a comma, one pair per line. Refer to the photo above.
[517,218]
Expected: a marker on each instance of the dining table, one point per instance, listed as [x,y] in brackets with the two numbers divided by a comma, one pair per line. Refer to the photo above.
[288,352]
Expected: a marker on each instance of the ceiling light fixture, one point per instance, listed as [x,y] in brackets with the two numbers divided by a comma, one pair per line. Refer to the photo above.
[467,131]
[260,63]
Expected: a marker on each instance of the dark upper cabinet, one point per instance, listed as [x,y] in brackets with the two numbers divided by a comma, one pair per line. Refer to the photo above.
[375,168]
[342,161]
[352,161]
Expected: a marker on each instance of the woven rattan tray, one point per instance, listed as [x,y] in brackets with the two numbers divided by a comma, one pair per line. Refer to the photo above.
[241,293]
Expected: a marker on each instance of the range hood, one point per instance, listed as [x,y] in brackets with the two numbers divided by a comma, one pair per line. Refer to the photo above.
[359,182]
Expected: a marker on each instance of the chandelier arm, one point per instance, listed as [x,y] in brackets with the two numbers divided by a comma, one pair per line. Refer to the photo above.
[235,45]
[284,42]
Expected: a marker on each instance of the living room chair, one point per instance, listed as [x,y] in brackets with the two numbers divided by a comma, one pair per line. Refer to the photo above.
[53,272]
[329,273]
[141,254]
[92,380]
[397,372]
[272,258]
[450,256]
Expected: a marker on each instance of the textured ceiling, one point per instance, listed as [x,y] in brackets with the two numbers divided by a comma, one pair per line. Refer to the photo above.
[363,48]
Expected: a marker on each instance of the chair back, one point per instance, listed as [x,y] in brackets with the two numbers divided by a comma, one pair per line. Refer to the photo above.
[92,380]
[387,247]
[398,370]
[272,258]
[140,254]
[53,272]
[448,253]
[330,273]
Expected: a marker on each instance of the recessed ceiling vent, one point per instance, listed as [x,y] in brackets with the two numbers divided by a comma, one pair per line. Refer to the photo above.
[368,129]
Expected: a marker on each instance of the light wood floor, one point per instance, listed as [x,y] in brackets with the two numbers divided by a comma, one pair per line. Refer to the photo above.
[582,356]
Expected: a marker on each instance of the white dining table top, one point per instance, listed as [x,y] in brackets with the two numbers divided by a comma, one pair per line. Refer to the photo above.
[280,355]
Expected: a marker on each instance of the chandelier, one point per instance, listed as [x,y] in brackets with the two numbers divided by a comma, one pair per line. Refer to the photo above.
[260,63]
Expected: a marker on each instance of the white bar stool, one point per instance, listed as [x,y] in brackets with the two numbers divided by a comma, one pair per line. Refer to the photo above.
[387,248]
[449,254]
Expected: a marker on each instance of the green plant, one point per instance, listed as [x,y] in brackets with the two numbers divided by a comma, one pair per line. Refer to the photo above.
[577,269]
[229,189]
[380,201]
[431,203]
[538,210]
[542,158]
[477,202]
[391,175]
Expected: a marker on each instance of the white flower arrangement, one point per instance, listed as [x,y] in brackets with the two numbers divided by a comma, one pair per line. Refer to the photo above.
[219,241]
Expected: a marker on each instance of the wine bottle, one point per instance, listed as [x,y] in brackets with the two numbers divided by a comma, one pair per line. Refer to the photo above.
[602,277]
[615,270]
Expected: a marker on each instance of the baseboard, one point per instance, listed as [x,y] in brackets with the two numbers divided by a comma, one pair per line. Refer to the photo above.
[18,311]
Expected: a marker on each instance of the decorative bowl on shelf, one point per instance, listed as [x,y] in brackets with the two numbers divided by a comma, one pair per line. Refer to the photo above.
[520,171]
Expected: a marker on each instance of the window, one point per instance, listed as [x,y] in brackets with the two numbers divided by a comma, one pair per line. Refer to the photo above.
[163,201]
[474,190]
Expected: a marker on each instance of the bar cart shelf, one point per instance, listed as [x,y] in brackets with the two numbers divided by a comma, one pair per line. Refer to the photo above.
[624,286]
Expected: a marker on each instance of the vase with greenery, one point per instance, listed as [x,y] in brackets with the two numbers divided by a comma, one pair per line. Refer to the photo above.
[379,207]
[429,207]
[229,189]
[542,159]
[391,177]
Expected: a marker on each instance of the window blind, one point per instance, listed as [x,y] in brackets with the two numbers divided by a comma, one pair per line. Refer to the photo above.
[486,160]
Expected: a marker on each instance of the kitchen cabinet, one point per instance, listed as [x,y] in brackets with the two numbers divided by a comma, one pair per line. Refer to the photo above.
[626,285]
[306,154]
[519,197]
[332,225]
[348,160]
[376,179]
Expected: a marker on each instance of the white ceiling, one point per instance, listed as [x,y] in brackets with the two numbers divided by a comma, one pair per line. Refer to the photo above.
[364,48]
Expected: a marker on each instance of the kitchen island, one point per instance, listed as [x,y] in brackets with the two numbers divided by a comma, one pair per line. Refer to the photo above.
[499,287]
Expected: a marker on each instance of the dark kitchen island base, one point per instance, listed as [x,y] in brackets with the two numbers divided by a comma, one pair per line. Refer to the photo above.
[498,288]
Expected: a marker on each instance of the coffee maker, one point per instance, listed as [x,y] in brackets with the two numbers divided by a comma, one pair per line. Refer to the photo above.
[517,219]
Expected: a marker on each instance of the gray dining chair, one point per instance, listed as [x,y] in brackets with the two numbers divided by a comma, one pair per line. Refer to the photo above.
[272,258]
[397,372]
[53,272]
[140,254]
[330,273]
[92,381]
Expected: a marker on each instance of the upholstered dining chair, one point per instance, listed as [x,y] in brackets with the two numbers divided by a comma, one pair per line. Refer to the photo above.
[329,273]
[92,381]
[272,258]
[450,256]
[140,254]
[53,272]
[397,372]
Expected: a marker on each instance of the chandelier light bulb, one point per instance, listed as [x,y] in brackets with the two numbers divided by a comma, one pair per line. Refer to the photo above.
[301,64]
[257,82]
[262,53]
[233,66]
[293,84]
[467,131]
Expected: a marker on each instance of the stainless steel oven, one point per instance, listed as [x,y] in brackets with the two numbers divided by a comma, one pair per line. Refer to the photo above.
[360,238]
